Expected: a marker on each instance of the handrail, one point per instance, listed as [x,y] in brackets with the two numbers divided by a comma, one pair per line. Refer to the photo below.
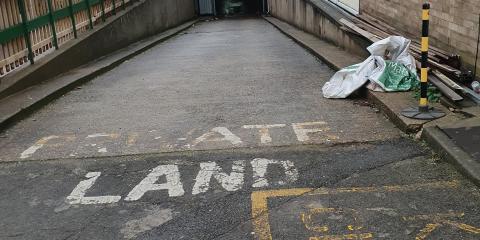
[30,29]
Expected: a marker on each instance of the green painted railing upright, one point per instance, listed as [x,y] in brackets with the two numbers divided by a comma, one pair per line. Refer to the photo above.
[89,14]
[26,32]
[114,7]
[52,24]
[72,17]
[102,5]
[26,29]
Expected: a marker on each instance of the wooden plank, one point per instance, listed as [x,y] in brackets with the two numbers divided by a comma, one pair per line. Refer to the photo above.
[439,66]
[444,89]
[377,22]
[393,31]
[360,31]
[373,30]
[447,81]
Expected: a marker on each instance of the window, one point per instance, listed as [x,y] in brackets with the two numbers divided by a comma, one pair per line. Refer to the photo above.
[352,6]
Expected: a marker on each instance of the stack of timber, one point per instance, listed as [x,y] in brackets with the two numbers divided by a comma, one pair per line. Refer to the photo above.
[446,71]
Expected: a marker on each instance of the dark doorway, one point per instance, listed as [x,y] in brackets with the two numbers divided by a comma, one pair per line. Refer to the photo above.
[238,7]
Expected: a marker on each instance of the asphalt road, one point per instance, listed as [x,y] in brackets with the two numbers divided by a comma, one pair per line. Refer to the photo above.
[222,133]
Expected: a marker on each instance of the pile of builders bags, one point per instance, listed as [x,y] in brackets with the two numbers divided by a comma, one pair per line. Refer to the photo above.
[390,68]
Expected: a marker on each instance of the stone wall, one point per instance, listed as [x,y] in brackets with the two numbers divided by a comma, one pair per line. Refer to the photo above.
[454,23]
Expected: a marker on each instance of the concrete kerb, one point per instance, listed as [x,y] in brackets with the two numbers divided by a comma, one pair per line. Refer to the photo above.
[113,60]
[449,151]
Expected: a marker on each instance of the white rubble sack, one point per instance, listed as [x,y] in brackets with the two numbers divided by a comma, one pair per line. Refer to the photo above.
[348,80]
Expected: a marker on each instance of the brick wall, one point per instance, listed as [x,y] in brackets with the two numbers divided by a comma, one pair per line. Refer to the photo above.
[454,23]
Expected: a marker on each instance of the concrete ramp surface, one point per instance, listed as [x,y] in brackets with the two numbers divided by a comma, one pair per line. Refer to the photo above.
[221,132]
[232,76]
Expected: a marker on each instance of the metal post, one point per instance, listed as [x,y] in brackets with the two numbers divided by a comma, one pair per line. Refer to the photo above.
[214,8]
[114,7]
[102,5]
[423,111]
[52,24]
[26,32]
[72,18]
[423,107]
[123,4]
[478,45]
[89,13]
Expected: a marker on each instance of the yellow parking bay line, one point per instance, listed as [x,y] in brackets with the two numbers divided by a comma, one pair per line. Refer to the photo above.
[260,215]
[261,223]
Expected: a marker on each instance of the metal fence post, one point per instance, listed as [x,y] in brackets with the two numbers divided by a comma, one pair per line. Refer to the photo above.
[423,111]
[52,24]
[114,8]
[26,32]
[102,5]
[123,4]
[72,17]
[89,13]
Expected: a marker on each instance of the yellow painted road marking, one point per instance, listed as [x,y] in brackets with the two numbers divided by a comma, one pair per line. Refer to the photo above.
[464,227]
[132,139]
[439,220]
[425,232]
[261,223]
[434,217]
[345,237]
[260,213]
[44,142]
[104,135]
[307,219]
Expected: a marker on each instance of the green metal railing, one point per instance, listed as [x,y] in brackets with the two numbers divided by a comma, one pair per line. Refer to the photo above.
[26,26]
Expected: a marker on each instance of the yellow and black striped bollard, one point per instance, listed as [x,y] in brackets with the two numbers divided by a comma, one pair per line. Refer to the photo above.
[424,111]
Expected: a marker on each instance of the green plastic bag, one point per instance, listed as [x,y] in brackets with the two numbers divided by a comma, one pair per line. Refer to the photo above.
[396,77]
